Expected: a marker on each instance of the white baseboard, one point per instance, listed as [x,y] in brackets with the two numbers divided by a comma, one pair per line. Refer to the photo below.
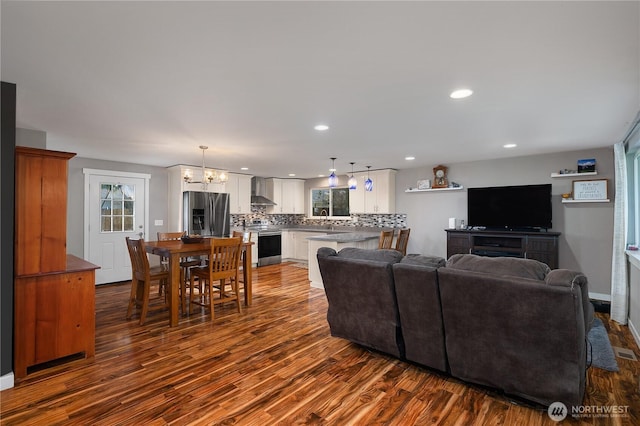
[600,296]
[634,333]
[6,381]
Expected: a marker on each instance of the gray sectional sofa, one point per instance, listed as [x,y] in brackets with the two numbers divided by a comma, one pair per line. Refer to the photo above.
[511,324]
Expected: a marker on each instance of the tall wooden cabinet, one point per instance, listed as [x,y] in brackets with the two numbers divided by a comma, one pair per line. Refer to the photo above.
[54,293]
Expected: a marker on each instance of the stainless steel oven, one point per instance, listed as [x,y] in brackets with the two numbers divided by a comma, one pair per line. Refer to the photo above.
[269,242]
[269,247]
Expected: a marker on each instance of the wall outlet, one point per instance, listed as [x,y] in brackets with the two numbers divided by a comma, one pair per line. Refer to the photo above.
[158,222]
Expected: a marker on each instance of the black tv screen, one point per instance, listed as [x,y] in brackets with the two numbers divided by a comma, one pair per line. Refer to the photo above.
[523,207]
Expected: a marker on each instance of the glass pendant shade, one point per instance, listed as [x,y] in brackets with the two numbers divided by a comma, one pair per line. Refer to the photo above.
[333,179]
[368,184]
[353,182]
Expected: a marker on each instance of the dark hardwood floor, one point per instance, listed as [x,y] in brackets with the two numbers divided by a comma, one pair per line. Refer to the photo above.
[275,363]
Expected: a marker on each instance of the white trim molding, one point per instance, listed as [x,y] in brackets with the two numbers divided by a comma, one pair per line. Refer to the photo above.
[6,381]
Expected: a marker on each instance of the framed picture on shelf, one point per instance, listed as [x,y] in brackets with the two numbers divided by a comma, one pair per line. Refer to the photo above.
[595,189]
[424,184]
[587,165]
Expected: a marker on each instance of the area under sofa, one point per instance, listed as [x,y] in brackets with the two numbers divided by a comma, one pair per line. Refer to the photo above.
[512,324]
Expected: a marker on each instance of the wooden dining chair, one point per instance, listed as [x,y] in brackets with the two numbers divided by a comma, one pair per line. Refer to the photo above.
[403,239]
[241,234]
[386,239]
[185,263]
[223,265]
[142,276]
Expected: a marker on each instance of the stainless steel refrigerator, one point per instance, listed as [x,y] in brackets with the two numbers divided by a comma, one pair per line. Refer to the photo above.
[207,214]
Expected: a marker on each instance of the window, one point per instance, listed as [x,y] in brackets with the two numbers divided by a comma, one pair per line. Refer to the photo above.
[633,185]
[117,203]
[330,202]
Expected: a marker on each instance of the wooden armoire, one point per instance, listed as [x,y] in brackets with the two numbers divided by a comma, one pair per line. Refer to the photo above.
[54,293]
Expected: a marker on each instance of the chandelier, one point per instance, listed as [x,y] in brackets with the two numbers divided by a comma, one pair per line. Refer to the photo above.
[207,176]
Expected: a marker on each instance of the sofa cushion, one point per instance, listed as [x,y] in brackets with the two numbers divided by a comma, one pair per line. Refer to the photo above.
[422,260]
[378,255]
[503,266]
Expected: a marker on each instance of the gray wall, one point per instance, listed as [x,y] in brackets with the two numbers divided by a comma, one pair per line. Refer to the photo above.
[31,138]
[158,203]
[587,228]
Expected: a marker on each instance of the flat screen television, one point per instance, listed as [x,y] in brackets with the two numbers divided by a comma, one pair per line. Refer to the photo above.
[523,207]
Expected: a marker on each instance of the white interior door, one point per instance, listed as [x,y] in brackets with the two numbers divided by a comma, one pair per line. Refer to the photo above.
[116,206]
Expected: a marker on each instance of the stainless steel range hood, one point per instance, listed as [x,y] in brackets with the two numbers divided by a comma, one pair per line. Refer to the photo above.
[259,192]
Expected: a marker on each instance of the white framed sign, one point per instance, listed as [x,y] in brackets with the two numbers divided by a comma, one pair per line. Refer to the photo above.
[590,189]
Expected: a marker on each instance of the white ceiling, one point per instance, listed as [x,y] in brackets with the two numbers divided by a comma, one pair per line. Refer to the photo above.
[148,82]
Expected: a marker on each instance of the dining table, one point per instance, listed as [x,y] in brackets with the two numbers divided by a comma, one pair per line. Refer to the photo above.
[174,250]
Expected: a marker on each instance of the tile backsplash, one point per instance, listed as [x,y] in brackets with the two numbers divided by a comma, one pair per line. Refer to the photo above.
[397,220]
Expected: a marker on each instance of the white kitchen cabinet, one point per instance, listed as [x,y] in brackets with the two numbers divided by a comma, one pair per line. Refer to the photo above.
[302,244]
[288,194]
[295,245]
[177,185]
[239,189]
[383,197]
[288,244]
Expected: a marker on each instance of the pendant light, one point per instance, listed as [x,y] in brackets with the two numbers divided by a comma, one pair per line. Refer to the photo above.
[353,182]
[333,179]
[368,184]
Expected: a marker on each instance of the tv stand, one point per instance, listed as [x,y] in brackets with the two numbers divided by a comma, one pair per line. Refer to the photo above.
[534,244]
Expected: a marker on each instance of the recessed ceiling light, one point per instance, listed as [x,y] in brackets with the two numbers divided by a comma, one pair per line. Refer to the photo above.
[244,168]
[509,145]
[320,175]
[409,158]
[292,174]
[461,93]
[321,127]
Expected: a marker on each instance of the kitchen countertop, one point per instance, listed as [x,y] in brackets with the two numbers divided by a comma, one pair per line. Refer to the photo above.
[347,237]
[328,229]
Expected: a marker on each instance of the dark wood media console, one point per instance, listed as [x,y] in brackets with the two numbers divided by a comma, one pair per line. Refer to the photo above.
[541,246]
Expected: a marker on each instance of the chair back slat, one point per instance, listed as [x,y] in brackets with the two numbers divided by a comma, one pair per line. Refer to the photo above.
[224,259]
[403,240]
[170,236]
[386,239]
[139,260]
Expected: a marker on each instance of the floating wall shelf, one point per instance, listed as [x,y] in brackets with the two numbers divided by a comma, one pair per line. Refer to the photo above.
[565,175]
[434,189]
[585,201]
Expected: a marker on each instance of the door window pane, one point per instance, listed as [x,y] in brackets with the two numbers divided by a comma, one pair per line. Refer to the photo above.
[117,207]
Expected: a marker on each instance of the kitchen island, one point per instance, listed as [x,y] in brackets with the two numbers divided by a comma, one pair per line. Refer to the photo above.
[337,241]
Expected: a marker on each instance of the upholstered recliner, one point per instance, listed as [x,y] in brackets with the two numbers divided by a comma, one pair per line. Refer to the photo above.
[362,300]
[418,295]
[516,325]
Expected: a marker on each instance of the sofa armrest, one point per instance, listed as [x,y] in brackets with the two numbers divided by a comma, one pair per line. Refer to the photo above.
[568,278]
[325,252]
